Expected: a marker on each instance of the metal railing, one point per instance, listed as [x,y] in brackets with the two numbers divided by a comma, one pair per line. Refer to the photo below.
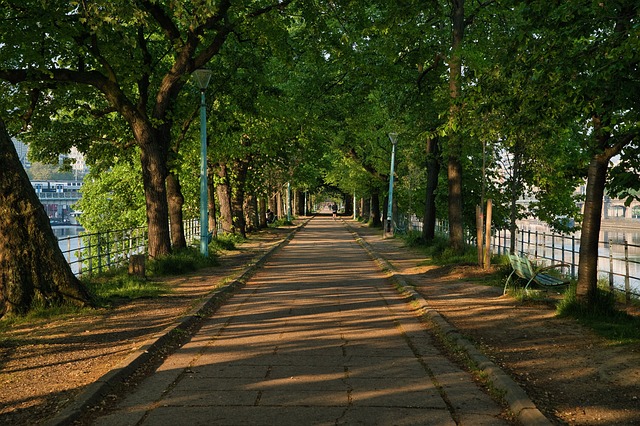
[618,261]
[89,253]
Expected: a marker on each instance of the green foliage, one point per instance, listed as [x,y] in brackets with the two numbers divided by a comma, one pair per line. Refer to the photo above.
[113,199]
[181,262]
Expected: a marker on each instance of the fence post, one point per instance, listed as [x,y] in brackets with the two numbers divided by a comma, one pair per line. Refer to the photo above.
[573,257]
[79,256]
[99,254]
[611,288]
[627,286]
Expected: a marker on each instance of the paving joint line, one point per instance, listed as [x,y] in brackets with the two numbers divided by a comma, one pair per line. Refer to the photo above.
[516,398]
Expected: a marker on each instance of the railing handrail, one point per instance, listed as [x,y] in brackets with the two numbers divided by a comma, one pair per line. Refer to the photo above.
[90,252]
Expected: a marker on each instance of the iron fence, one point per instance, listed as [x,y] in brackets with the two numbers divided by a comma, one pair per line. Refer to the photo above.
[89,253]
[618,259]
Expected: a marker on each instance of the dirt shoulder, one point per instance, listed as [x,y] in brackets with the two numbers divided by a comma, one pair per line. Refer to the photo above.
[45,364]
[572,375]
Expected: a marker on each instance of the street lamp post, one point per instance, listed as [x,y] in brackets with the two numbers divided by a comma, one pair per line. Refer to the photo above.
[393,138]
[202,77]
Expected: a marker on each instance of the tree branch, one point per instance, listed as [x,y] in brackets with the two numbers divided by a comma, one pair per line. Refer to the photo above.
[168,26]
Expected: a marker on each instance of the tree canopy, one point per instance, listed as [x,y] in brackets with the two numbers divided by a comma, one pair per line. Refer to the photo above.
[489,100]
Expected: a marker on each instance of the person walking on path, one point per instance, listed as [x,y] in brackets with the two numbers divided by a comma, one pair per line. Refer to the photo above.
[317,336]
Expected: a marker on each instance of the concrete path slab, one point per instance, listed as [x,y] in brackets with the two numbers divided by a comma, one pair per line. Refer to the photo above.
[318,336]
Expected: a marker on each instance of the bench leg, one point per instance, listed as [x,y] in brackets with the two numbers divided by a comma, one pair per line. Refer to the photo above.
[507,283]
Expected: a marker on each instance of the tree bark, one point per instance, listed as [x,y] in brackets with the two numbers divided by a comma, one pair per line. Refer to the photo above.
[251,212]
[588,258]
[175,200]
[366,208]
[262,212]
[32,267]
[433,172]
[515,193]
[374,218]
[223,190]
[454,167]
[237,200]
[153,156]
[299,202]
[211,203]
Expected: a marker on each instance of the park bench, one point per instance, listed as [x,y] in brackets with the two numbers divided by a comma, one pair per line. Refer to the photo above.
[523,268]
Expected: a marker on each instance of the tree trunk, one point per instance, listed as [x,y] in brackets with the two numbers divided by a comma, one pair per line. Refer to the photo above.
[223,190]
[175,201]
[262,212]
[433,172]
[32,267]
[251,212]
[516,190]
[211,203]
[154,173]
[237,201]
[374,218]
[454,168]
[588,258]
[366,208]
[299,202]
[348,204]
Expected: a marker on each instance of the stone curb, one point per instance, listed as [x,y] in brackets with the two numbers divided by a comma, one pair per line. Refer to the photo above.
[106,384]
[516,398]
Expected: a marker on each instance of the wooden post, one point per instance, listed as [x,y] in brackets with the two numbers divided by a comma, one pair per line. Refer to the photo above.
[136,265]
[487,239]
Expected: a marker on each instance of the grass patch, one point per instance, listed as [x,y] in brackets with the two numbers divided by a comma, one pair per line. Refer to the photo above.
[40,313]
[438,251]
[602,316]
[123,286]
[180,262]
[282,222]
[225,242]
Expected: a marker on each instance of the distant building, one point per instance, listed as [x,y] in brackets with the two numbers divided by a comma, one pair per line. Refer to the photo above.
[22,151]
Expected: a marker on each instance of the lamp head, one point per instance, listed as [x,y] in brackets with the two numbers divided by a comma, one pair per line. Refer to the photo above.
[202,76]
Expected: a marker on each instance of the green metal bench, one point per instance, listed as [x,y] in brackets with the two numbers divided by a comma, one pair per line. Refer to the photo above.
[523,268]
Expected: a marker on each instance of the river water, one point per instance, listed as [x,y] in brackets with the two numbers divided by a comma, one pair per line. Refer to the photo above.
[68,244]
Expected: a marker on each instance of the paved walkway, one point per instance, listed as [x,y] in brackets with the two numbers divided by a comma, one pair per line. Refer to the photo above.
[317,337]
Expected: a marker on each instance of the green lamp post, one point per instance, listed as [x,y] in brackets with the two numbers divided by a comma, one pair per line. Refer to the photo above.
[394,141]
[202,78]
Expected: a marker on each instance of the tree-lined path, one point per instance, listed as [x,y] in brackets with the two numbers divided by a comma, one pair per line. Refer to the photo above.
[318,336]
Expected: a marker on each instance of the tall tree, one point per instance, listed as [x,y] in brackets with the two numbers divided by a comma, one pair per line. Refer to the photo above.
[585,59]
[137,56]
[32,268]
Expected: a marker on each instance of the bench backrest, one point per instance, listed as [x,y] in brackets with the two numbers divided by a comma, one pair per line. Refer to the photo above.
[521,266]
